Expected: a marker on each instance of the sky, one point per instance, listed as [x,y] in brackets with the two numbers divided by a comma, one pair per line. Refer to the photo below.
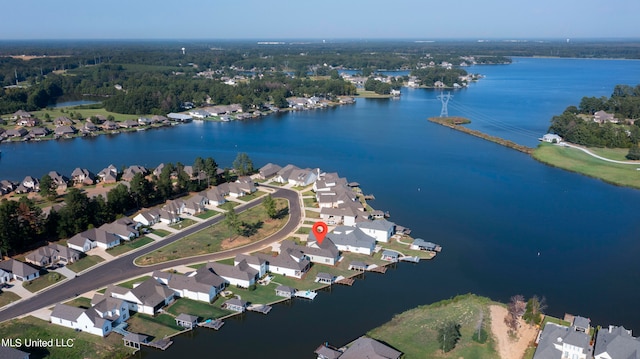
[327,19]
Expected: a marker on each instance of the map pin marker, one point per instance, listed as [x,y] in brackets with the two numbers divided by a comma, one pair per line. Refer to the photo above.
[320,230]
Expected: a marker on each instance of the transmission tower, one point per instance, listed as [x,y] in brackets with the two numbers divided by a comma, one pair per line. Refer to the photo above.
[445,100]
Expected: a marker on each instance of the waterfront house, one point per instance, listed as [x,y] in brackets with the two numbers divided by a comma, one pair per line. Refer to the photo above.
[179,117]
[109,174]
[303,177]
[6,186]
[240,275]
[88,126]
[556,341]
[82,176]
[603,117]
[37,132]
[200,114]
[324,278]
[131,171]
[349,239]
[289,262]
[269,170]
[616,342]
[284,291]
[64,131]
[422,245]
[158,170]
[104,314]
[129,123]
[31,183]
[59,180]
[282,176]
[364,347]
[254,262]
[186,286]
[381,229]
[389,256]
[109,126]
[323,253]
[146,297]
[235,304]
[63,121]
[551,138]
[325,351]
[358,266]
[19,271]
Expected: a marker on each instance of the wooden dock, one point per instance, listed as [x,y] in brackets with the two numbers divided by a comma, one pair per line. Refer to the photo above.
[378,269]
[409,259]
[161,344]
[215,324]
[346,281]
[260,308]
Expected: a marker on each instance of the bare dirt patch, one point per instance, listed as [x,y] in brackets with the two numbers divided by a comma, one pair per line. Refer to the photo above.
[508,347]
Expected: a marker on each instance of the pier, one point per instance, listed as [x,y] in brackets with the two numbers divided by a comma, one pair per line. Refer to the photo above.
[215,324]
[161,344]
[413,259]
[260,308]
[346,281]
[377,269]
[306,294]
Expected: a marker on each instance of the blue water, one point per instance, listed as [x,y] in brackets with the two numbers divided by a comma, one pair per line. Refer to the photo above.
[492,209]
[74,103]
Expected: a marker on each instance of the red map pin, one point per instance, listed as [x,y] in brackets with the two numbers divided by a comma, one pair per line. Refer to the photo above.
[320,230]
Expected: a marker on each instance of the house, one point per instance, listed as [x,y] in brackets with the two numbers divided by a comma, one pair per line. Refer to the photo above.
[324,278]
[129,123]
[254,262]
[63,121]
[381,230]
[241,274]
[178,117]
[59,180]
[104,314]
[52,253]
[195,204]
[12,353]
[123,227]
[602,117]
[17,132]
[189,285]
[551,138]
[284,291]
[200,114]
[174,206]
[616,342]
[31,183]
[109,174]
[5,277]
[109,125]
[358,266]
[187,321]
[28,122]
[91,238]
[389,256]
[144,121]
[324,252]
[148,217]
[168,217]
[88,126]
[38,132]
[213,196]
[243,186]
[131,171]
[20,114]
[235,304]
[133,340]
[422,245]
[146,297]
[349,239]
[559,341]
[282,176]
[303,177]
[346,214]
[64,130]
[19,270]
[158,170]
[325,351]
[269,170]
[6,186]
[289,262]
[82,176]
[369,348]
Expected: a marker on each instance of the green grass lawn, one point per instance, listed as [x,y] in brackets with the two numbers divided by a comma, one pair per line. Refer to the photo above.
[228,205]
[216,238]
[404,249]
[85,345]
[252,196]
[84,263]
[207,214]
[577,161]
[160,232]
[183,224]
[617,154]
[311,214]
[43,281]
[310,202]
[201,309]
[370,94]
[80,302]
[129,284]
[414,332]
[7,298]
[157,327]
[57,112]
[129,246]
[303,230]
[309,193]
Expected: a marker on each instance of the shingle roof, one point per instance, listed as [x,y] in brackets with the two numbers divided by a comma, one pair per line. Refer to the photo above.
[368,348]
[66,312]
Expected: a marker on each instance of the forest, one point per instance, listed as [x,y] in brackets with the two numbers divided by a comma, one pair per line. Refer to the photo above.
[576,124]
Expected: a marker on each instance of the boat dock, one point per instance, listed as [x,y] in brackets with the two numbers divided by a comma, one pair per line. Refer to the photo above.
[161,344]
[260,308]
[377,269]
[346,281]
[215,324]
[409,259]
[307,294]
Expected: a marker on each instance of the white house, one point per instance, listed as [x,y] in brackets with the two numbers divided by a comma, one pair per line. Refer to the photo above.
[381,230]
[147,217]
[559,341]
[146,297]
[349,239]
[186,286]
[289,262]
[241,274]
[104,314]
[551,138]
[19,270]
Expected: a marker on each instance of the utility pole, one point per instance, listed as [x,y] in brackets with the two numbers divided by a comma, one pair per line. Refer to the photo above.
[445,101]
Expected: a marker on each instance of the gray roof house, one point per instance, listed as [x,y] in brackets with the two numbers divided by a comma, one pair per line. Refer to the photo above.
[38,132]
[241,275]
[189,286]
[123,227]
[104,314]
[12,353]
[557,341]
[289,262]
[64,130]
[52,253]
[235,304]
[91,238]
[369,348]
[353,240]
[20,271]
[147,297]
[269,170]
[284,291]
[82,176]
[616,342]
[131,171]
[380,229]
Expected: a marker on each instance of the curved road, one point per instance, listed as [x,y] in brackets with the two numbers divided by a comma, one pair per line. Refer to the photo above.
[565,144]
[122,268]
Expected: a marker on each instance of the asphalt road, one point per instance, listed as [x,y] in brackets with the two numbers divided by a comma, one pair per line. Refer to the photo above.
[123,268]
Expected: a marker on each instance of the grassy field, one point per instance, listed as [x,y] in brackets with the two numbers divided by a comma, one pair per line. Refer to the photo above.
[252,196]
[207,214]
[157,327]
[370,94]
[62,111]
[84,263]
[85,345]
[310,202]
[80,302]
[160,232]
[311,214]
[577,161]
[129,284]
[183,224]
[7,298]
[415,332]
[129,246]
[618,154]
[43,281]
[228,205]
[215,238]
[201,309]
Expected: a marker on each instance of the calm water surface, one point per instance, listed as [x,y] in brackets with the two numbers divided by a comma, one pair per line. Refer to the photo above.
[492,209]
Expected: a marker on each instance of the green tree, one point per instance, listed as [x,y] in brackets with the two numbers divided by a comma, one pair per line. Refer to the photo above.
[75,216]
[448,335]
[48,188]
[270,206]
[535,308]
[119,199]
[634,153]
[232,222]
[243,164]
[141,190]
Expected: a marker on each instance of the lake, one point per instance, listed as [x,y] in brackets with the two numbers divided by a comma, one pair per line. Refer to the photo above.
[507,223]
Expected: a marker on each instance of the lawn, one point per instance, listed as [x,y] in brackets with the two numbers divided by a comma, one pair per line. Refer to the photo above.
[7,298]
[415,332]
[157,327]
[80,302]
[58,112]
[618,154]
[370,94]
[310,202]
[309,193]
[85,345]
[303,230]
[201,309]
[575,160]
[84,263]
[160,232]
[43,281]
[207,214]
[183,224]
[129,246]
[311,214]
[404,249]
[216,238]
[252,196]
[228,205]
